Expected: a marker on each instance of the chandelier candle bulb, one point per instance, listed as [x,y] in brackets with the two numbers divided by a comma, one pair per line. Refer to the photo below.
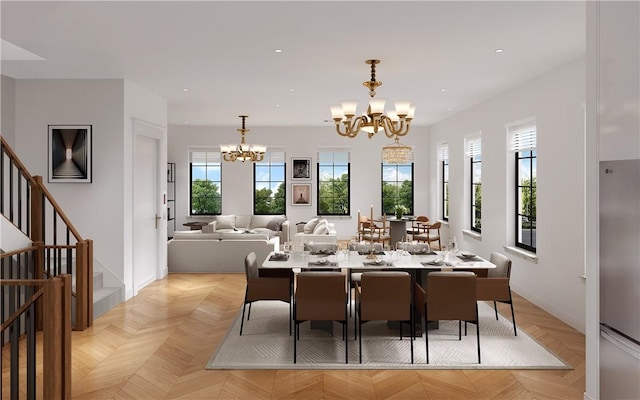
[242,151]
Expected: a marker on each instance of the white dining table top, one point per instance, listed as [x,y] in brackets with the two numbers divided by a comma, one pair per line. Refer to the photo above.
[398,260]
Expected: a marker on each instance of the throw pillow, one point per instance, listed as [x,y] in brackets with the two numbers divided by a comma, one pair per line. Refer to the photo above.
[226,221]
[209,228]
[322,228]
[276,223]
[309,226]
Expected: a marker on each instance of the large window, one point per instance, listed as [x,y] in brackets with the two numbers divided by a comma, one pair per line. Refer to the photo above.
[205,173]
[443,158]
[397,187]
[473,151]
[269,184]
[524,147]
[333,182]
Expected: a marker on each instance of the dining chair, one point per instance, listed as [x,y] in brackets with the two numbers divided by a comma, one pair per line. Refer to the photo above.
[495,287]
[362,220]
[384,295]
[320,296]
[372,232]
[356,277]
[449,296]
[277,286]
[418,225]
[431,234]
[321,248]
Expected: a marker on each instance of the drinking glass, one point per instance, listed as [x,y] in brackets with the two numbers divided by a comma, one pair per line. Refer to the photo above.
[287,247]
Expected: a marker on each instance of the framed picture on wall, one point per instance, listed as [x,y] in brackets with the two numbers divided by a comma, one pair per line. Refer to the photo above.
[69,154]
[300,194]
[301,169]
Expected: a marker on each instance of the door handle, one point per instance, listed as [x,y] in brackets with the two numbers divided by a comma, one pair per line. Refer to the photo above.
[157,217]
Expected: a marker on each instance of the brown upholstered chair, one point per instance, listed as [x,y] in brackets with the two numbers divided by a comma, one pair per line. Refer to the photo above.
[495,287]
[449,296]
[384,295]
[418,225]
[320,296]
[278,286]
[431,234]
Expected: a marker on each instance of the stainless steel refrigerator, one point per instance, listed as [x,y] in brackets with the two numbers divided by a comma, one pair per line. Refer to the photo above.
[620,280]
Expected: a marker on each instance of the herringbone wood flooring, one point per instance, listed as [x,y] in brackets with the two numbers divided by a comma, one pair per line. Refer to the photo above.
[156,345]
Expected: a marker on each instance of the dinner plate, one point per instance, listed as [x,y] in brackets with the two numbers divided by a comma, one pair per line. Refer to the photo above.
[466,254]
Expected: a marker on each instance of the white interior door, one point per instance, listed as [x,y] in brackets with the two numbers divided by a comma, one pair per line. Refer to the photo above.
[145,211]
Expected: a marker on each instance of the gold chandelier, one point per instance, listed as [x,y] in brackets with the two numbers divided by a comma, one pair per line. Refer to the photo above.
[397,153]
[393,124]
[242,151]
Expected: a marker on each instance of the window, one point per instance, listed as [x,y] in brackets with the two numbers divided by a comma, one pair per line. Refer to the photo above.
[334,185]
[206,180]
[443,158]
[473,151]
[523,144]
[269,184]
[397,187]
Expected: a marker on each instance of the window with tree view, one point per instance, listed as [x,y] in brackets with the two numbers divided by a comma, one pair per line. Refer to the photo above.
[269,184]
[206,179]
[473,151]
[524,147]
[397,187]
[443,157]
[333,182]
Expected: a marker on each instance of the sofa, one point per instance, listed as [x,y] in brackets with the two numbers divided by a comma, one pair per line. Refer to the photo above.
[195,251]
[317,230]
[271,225]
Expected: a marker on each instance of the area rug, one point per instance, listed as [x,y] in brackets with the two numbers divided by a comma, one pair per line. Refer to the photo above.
[265,344]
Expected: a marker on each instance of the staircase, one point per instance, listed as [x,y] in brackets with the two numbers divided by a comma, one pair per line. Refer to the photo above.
[104,298]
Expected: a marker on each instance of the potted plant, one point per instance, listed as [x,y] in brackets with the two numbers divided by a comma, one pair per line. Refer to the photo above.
[399,209]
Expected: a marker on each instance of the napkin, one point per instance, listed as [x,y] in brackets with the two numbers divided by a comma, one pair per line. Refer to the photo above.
[279,257]
[322,264]
[364,253]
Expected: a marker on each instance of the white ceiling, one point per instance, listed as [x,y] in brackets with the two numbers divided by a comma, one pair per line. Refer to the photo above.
[223,52]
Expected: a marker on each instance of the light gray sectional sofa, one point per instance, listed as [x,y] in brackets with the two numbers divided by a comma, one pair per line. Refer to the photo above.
[194,251]
[222,245]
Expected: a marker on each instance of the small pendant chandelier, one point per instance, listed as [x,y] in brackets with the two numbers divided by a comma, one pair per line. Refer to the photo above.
[242,151]
[397,153]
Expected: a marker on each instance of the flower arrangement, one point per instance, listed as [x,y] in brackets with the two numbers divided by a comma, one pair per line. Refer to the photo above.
[399,209]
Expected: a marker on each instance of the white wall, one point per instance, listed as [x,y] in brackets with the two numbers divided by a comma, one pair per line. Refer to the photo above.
[237,181]
[7,109]
[555,99]
[102,209]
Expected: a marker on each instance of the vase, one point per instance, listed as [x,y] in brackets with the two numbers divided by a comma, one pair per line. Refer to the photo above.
[398,214]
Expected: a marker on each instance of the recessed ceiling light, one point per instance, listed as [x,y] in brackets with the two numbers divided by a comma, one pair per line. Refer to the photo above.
[185,90]
[277,105]
[443,90]
[449,109]
[499,50]
[186,122]
[291,90]
[278,50]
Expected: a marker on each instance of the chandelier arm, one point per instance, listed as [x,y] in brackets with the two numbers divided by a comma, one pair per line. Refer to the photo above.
[352,128]
[391,129]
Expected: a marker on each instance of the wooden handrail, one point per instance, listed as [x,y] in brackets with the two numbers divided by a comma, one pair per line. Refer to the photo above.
[38,181]
[14,157]
[14,252]
[22,308]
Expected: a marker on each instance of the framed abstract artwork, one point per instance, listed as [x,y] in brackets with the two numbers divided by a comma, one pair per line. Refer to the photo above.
[301,169]
[69,154]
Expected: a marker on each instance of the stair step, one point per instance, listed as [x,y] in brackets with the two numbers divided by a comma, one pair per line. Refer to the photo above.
[105,299]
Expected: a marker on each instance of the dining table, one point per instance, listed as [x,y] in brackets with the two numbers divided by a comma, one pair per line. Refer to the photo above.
[418,265]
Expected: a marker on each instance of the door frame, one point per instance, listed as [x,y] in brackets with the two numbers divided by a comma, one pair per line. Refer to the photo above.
[158,133]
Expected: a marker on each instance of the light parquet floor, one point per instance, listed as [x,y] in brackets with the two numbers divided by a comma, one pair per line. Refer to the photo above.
[156,345]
